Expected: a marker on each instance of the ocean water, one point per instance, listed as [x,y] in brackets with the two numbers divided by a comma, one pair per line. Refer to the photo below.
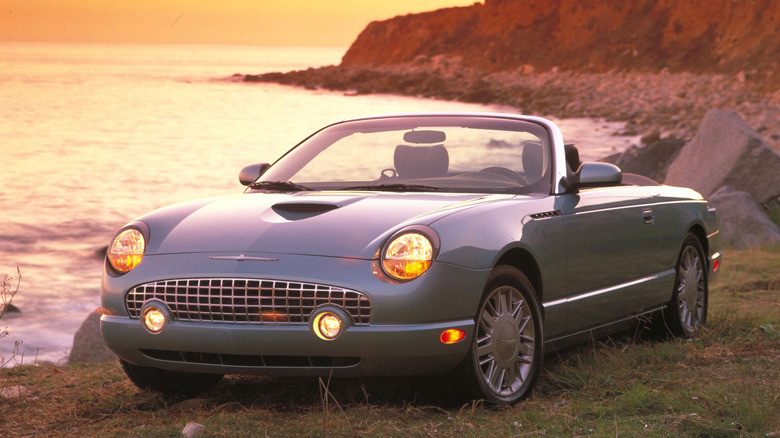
[92,136]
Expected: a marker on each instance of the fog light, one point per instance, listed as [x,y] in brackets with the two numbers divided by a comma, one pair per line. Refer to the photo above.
[452,336]
[327,325]
[154,319]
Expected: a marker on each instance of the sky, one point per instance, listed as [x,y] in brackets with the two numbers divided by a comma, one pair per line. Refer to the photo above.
[252,22]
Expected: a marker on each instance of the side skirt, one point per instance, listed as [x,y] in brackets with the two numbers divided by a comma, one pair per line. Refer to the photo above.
[599,332]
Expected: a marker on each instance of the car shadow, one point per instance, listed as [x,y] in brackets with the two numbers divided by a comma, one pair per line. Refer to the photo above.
[295,394]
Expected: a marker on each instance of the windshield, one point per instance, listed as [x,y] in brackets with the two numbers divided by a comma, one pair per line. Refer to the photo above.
[419,153]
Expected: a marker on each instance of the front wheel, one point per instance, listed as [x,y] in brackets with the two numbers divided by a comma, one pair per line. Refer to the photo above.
[687,311]
[169,382]
[506,351]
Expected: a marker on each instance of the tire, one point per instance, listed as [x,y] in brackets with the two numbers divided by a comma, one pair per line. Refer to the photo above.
[169,382]
[506,350]
[687,310]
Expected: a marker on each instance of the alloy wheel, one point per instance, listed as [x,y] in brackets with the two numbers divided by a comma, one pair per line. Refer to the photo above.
[505,341]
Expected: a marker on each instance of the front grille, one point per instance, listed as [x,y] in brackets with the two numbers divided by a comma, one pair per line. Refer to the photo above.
[237,300]
[244,360]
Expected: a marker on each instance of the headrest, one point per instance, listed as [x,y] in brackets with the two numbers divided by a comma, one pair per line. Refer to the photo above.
[533,161]
[572,157]
[421,161]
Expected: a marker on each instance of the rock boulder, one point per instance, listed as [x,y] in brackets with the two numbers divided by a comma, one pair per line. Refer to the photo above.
[742,222]
[726,151]
[650,161]
[88,346]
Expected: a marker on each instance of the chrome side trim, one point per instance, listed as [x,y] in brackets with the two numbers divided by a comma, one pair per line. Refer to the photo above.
[637,206]
[609,289]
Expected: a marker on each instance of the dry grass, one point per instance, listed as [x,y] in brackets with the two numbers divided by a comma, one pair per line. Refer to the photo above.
[724,383]
[7,294]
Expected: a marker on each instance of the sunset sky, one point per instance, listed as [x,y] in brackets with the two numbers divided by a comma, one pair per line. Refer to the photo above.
[255,22]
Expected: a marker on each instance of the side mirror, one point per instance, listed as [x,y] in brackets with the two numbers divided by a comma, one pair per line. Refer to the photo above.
[250,173]
[594,175]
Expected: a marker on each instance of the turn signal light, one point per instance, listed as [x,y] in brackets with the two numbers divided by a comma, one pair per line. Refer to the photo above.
[452,336]
[715,261]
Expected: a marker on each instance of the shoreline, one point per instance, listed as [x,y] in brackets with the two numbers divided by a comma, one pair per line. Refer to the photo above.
[662,105]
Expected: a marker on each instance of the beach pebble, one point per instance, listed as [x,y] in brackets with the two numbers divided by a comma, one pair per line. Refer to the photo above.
[193,430]
[15,391]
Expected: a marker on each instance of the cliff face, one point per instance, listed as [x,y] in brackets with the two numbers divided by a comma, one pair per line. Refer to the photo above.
[658,65]
[699,36]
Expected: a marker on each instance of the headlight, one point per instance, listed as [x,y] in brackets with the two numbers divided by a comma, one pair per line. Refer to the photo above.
[127,250]
[410,253]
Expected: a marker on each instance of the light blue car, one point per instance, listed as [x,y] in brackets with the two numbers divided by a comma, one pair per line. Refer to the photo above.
[404,245]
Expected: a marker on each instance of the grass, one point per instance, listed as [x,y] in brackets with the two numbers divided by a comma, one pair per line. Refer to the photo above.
[7,294]
[725,382]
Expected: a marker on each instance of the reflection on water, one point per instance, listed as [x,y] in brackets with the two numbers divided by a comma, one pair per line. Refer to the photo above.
[92,136]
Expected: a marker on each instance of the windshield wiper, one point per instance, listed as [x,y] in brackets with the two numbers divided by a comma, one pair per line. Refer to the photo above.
[283,186]
[397,188]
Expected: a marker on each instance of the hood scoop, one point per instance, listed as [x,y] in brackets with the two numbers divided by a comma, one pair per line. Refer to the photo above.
[293,211]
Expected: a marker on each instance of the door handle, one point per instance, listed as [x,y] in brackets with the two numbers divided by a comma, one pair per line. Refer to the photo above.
[648,217]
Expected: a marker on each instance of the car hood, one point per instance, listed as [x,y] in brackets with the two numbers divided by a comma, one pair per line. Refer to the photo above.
[334,224]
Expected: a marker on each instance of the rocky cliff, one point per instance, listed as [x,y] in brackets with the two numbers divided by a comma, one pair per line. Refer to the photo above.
[698,36]
[658,65]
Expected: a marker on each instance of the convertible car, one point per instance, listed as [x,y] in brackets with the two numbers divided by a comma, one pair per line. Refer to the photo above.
[406,245]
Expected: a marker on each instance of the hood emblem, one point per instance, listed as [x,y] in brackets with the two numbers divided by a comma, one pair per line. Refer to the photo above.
[242,257]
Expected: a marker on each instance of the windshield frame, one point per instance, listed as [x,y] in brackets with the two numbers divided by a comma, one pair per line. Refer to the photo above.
[300,155]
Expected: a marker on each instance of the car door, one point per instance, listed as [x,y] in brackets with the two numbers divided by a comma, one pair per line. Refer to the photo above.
[607,230]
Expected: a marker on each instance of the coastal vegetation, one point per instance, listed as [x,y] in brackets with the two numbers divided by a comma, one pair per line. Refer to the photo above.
[723,383]
[7,294]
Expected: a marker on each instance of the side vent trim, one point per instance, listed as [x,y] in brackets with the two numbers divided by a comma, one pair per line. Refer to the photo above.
[546,214]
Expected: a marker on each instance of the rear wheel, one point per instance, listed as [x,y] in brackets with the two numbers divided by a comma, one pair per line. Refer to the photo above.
[687,311]
[506,351]
[169,382]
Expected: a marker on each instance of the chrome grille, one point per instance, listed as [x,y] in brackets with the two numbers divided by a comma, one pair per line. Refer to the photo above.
[237,300]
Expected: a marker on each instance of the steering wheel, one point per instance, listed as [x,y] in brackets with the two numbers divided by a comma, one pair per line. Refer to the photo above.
[507,173]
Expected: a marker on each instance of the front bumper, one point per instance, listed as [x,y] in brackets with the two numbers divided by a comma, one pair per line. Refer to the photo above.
[401,338]
[287,350]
